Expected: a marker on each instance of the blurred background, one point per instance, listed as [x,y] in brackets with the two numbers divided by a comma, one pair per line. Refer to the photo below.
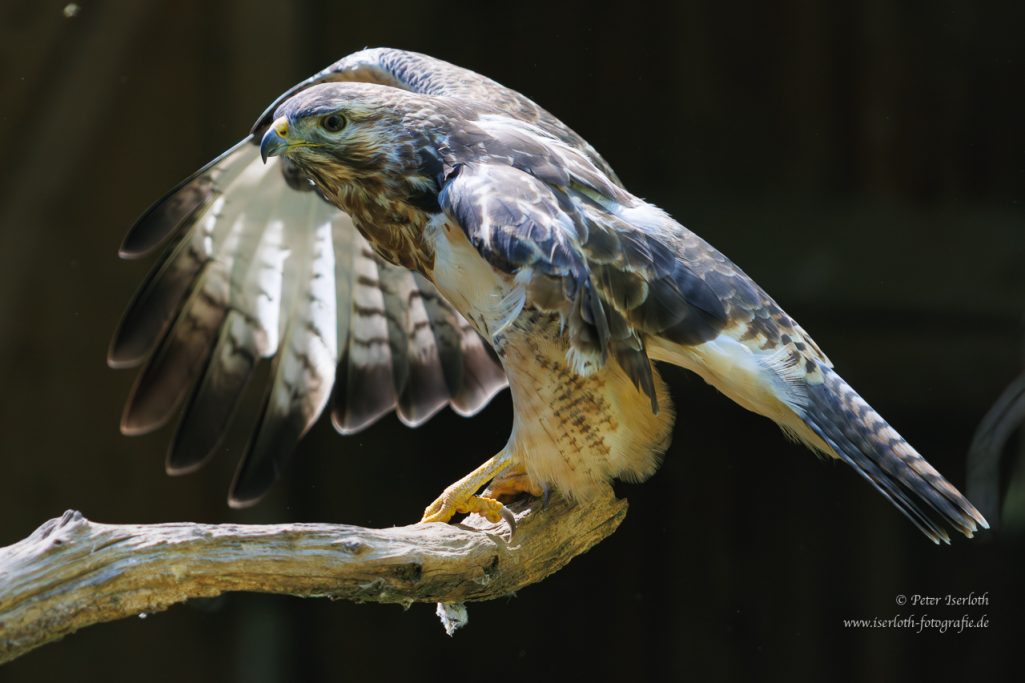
[864,162]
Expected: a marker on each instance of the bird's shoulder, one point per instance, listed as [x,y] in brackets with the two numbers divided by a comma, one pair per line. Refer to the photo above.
[567,236]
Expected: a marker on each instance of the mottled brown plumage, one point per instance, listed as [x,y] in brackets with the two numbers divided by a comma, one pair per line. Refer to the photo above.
[577,284]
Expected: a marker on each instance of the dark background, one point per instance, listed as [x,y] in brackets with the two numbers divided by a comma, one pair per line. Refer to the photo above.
[865,163]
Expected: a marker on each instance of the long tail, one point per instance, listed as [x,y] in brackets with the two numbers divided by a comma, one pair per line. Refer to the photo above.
[859,436]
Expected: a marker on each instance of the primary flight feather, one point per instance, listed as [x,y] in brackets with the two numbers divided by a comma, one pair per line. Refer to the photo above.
[421,222]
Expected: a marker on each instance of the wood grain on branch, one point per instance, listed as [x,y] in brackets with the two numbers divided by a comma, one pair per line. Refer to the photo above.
[71,572]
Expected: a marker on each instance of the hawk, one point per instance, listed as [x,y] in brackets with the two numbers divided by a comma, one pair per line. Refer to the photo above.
[419,237]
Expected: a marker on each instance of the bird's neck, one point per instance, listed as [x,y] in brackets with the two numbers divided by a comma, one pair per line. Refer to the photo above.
[393,222]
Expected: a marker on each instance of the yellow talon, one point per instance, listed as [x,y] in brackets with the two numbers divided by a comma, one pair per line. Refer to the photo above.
[461,497]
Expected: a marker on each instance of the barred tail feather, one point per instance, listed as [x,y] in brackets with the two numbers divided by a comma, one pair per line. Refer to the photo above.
[859,436]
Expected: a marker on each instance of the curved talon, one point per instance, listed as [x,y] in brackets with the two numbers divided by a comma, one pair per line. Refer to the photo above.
[546,495]
[492,510]
[448,505]
[510,519]
[461,497]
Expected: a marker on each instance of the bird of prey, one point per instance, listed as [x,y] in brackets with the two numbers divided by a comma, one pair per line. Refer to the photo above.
[422,235]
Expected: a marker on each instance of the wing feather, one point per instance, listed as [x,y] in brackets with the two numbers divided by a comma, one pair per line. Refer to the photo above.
[219,299]
[255,253]
[304,368]
[612,282]
[202,232]
[233,288]
[177,210]
[180,358]
[365,386]
[423,391]
[470,370]
[213,403]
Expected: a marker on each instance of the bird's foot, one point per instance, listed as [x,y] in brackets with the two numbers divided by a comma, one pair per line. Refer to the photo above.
[447,506]
[461,497]
[512,483]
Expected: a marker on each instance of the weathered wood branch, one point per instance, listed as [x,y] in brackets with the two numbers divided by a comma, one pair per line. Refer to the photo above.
[71,572]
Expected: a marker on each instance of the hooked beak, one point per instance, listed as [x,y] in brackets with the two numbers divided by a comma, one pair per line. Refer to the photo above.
[275,140]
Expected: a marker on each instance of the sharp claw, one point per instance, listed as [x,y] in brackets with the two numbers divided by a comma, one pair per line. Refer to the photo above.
[509,518]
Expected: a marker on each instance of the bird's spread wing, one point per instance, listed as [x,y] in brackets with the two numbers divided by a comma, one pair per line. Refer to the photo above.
[612,283]
[260,267]
[257,269]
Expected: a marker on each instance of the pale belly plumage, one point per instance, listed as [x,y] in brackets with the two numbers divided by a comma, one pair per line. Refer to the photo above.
[573,432]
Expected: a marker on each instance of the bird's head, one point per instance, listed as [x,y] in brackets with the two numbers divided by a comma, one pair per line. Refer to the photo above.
[346,136]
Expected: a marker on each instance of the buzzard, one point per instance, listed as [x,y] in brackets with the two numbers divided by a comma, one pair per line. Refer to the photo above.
[418,237]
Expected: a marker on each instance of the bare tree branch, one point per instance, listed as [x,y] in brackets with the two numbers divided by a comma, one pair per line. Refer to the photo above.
[71,573]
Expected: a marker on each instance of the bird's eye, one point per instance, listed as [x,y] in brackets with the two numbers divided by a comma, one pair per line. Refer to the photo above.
[333,123]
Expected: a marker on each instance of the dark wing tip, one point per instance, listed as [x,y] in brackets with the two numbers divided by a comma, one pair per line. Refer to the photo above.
[415,414]
[425,391]
[142,416]
[164,216]
[175,466]
[273,444]
[239,502]
[134,339]
[117,359]
[196,440]
[362,396]
[167,214]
